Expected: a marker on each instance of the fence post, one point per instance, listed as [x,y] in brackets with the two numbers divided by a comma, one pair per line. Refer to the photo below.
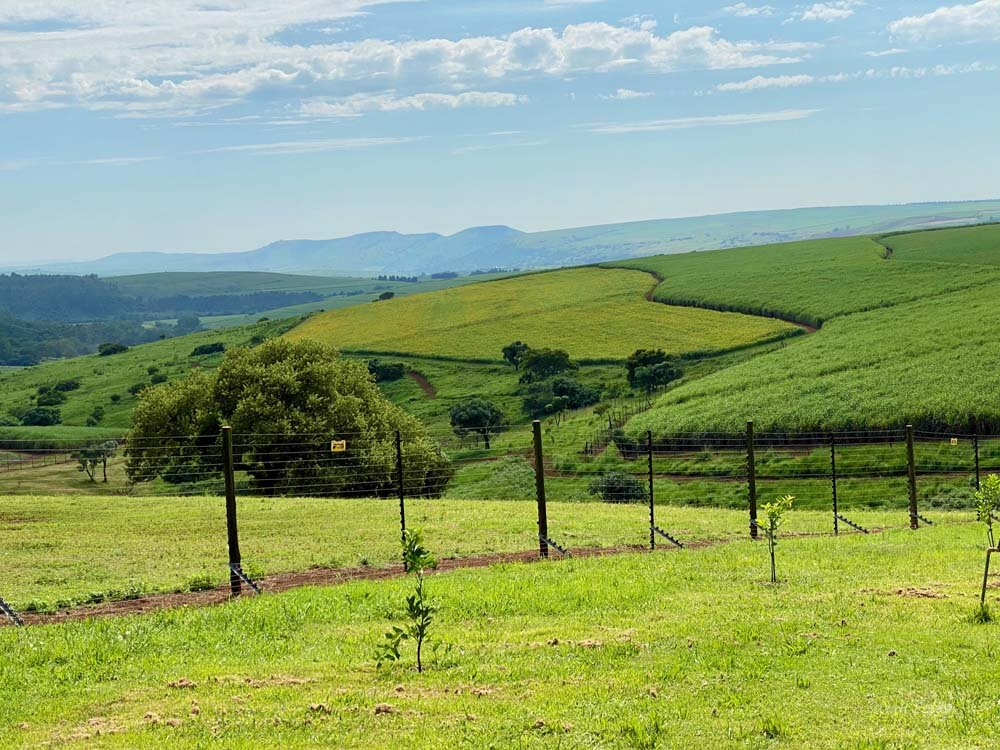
[975,448]
[543,521]
[833,480]
[911,473]
[232,533]
[652,517]
[399,487]
[752,480]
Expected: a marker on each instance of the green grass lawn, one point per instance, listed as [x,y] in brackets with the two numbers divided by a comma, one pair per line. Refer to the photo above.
[70,549]
[866,642]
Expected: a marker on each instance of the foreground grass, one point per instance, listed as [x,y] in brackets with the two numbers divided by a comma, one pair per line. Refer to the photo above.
[66,550]
[866,643]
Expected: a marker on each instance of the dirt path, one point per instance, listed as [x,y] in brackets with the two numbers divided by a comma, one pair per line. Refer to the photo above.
[425,385]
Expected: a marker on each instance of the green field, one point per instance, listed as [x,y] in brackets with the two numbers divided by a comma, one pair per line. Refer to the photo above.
[103,377]
[591,313]
[866,642]
[818,280]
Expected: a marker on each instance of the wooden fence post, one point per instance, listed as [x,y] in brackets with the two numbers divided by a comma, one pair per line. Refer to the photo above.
[232,533]
[543,521]
[975,448]
[752,480]
[911,474]
[833,480]
[652,517]
[400,487]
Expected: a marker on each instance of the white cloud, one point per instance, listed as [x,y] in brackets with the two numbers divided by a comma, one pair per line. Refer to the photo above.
[742,10]
[761,82]
[358,104]
[792,81]
[311,146]
[118,161]
[886,52]
[626,94]
[972,22]
[681,123]
[829,12]
[901,71]
[144,58]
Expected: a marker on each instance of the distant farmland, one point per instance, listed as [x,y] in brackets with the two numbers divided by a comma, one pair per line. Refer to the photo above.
[592,313]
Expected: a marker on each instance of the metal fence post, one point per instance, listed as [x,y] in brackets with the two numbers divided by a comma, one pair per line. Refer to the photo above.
[543,521]
[833,480]
[232,533]
[911,473]
[752,480]
[399,487]
[975,449]
[652,517]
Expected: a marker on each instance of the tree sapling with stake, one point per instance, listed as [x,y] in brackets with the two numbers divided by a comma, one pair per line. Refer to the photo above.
[773,516]
[987,504]
[416,559]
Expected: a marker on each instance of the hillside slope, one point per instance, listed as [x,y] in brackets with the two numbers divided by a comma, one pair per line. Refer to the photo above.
[592,313]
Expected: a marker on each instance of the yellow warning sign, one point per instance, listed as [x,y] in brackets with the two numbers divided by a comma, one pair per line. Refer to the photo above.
[338,446]
[954,441]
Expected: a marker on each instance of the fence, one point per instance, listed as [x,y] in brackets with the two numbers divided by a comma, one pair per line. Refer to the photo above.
[908,471]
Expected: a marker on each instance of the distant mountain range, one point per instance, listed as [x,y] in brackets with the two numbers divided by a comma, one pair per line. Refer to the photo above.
[482,248]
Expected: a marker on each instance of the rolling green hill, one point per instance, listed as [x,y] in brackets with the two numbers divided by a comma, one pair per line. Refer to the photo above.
[910,338]
[592,313]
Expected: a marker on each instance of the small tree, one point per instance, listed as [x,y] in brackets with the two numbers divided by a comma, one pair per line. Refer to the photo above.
[619,487]
[479,416]
[643,358]
[96,456]
[416,559]
[987,504]
[384,296]
[514,353]
[111,348]
[773,516]
[655,376]
[539,364]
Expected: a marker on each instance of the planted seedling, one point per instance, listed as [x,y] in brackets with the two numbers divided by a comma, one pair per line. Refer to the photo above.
[987,505]
[773,516]
[419,612]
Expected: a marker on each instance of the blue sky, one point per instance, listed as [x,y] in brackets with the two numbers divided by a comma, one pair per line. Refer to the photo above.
[213,125]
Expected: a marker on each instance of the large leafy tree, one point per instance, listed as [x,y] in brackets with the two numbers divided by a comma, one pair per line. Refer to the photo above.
[514,353]
[285,401]
[539,364]
[477,416]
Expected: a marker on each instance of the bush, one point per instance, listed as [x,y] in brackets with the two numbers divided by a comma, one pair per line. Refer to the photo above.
[619,487]
[216,347]
[558,394]
[64,386]
[386,372]
[48,397]
[106,350]
[41,416]
[152,370]
[115,398]
[158,378]
[136,388]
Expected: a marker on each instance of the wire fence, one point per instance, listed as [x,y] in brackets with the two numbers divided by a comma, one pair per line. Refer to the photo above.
[906,472]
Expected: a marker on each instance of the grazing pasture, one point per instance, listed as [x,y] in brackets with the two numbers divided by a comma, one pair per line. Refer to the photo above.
[592,313]
[865,642]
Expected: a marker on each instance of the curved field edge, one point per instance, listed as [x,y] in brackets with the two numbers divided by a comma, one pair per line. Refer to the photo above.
[624,652]
[918,363]
[597,315]
[813,281]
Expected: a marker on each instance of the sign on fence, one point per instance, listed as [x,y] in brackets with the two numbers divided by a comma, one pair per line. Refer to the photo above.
[338,446]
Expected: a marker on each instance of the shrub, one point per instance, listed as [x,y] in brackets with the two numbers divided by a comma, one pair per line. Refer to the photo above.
[115,398]
[136,388]
[41,416]
[152,370]
[107,350]
[216,347]
[385,372]
[619,487]
[64,386]
[48,397]
[158,378]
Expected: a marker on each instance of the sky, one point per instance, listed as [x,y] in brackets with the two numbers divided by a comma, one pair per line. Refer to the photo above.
[215,125]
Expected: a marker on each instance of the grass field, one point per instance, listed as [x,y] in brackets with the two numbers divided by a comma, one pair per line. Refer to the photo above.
[866,642]
[817,280]
[591,313]
[103,377]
